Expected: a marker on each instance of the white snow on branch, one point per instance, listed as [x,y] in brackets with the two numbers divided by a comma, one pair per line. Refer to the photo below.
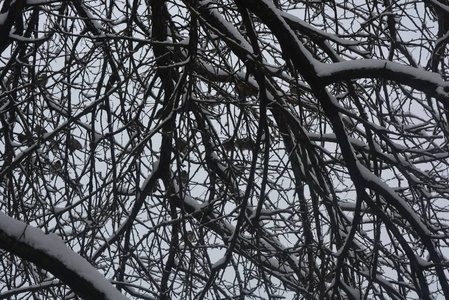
[399,202]
[382,68]
[54,247]
[236,35]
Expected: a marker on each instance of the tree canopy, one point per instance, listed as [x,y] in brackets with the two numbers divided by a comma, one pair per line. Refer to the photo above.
[205,149]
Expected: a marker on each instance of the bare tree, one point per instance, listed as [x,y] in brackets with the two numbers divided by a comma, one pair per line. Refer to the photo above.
[224,149]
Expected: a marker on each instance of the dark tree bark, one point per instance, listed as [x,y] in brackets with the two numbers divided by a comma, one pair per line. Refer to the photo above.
[225,149]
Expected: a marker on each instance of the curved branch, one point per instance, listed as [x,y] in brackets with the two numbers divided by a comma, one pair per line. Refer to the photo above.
[425,81]
[50,253]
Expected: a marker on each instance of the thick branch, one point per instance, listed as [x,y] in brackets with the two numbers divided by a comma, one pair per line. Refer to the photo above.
[51,254]
[425,81]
